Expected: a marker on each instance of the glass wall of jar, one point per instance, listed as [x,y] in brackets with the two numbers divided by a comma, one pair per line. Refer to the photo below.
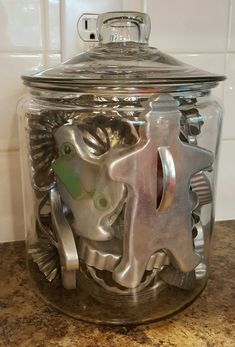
[119,176]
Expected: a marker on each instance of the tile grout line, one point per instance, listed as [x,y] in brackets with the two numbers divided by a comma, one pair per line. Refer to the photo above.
[227,139]
[29,52]
[9,151]
[229,26]
[44,29]
[56,51]
[197,53]
[123,5]
[62,9]
[144,6]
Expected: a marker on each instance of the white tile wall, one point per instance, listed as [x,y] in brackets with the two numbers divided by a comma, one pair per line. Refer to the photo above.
[203,61]
[52,7]
[199,32]
[29,40]
[52,59]
[231,36]
[225,204]
[133,5]
[20,25]
[229,99]
[189,25]
[11,209]
[12,65]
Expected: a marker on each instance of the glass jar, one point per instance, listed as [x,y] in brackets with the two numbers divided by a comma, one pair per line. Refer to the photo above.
[119,153]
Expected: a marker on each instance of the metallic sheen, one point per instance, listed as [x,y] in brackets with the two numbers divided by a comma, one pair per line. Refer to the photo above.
[147,230]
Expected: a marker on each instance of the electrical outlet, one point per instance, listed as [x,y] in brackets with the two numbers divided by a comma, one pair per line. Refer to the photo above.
[73,43]
[87,27]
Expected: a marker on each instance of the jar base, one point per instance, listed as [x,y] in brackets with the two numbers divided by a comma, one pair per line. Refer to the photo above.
[79,304]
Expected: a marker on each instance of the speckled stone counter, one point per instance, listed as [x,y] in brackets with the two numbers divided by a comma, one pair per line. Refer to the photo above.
[25,320]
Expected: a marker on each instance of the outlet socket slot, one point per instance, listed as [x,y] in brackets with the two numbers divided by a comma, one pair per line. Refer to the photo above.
[86,27]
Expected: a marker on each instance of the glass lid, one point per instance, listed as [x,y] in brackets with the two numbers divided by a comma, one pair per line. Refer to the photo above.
[122,58]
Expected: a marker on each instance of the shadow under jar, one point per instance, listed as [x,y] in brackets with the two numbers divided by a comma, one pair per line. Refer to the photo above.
[119,153]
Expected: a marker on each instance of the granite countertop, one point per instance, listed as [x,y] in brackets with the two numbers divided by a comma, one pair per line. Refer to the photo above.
[25,320]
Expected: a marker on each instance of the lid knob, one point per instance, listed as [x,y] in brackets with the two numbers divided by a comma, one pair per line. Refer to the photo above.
[123,27]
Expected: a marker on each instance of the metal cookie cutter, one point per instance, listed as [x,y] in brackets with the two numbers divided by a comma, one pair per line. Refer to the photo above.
[147,229]
[158,284]
[44,252]
[174,277]
[191,121]
[84,186]
[42,150]
[187,280]
[106,255]
[45,255]
[201,186]
[199,244]
[66,244]
[60,238]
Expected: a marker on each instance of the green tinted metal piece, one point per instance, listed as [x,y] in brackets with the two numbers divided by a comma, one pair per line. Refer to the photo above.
[69,178]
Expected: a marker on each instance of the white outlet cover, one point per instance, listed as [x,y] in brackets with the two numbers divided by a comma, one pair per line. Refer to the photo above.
[71,11]
[86,27]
